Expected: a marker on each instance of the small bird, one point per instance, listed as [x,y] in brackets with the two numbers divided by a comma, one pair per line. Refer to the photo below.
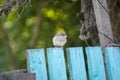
[60,39]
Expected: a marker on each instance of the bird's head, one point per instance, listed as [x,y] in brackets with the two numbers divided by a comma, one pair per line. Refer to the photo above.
[62,34]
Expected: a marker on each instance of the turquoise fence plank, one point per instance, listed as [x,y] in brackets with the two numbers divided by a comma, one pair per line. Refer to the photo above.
[112,57]
[95,63]
[36,63]
[76,63]
[56,64]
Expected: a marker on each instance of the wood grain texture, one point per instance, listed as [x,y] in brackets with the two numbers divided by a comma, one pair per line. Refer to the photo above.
[22,76]
[3,77]
[112,57]
[76,63]
[36,63]
[95,63]
[56,64]
[103,21]
[17,76]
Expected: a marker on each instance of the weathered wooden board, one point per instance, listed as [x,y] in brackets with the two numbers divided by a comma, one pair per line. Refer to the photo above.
[112,57]
[56,64]
[76,63]
[36,63]
[95,63]
[22,76]
[17,75]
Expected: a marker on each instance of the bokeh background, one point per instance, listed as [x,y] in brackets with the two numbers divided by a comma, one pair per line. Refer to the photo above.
[33,26]
[33,23]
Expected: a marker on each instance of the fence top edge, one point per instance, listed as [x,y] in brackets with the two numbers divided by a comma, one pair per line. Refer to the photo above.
[35,49]
[71,47]
[74,47]
[14,71]
[112,48]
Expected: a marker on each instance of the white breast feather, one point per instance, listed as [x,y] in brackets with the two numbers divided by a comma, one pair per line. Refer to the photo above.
[59,41]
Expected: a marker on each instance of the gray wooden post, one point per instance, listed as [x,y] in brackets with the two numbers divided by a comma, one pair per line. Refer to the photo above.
[103,21]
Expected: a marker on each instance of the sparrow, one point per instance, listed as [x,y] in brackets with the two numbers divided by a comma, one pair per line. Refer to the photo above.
[60,39]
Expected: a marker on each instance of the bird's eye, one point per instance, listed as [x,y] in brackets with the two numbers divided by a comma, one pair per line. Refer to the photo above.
[64,34]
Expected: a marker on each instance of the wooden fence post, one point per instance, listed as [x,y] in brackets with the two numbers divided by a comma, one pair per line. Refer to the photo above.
[95,63]
[112,57]
[76,63]
[56,64]
[36,63]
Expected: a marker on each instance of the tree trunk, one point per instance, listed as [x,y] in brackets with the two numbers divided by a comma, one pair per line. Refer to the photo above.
[103,22]
[114,7]
[35,36]
[8,47]
[89,23]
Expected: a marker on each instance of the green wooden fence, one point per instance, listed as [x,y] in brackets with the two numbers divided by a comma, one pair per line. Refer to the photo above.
[75,64]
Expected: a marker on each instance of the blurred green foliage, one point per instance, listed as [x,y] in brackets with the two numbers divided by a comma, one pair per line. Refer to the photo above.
[57,15]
